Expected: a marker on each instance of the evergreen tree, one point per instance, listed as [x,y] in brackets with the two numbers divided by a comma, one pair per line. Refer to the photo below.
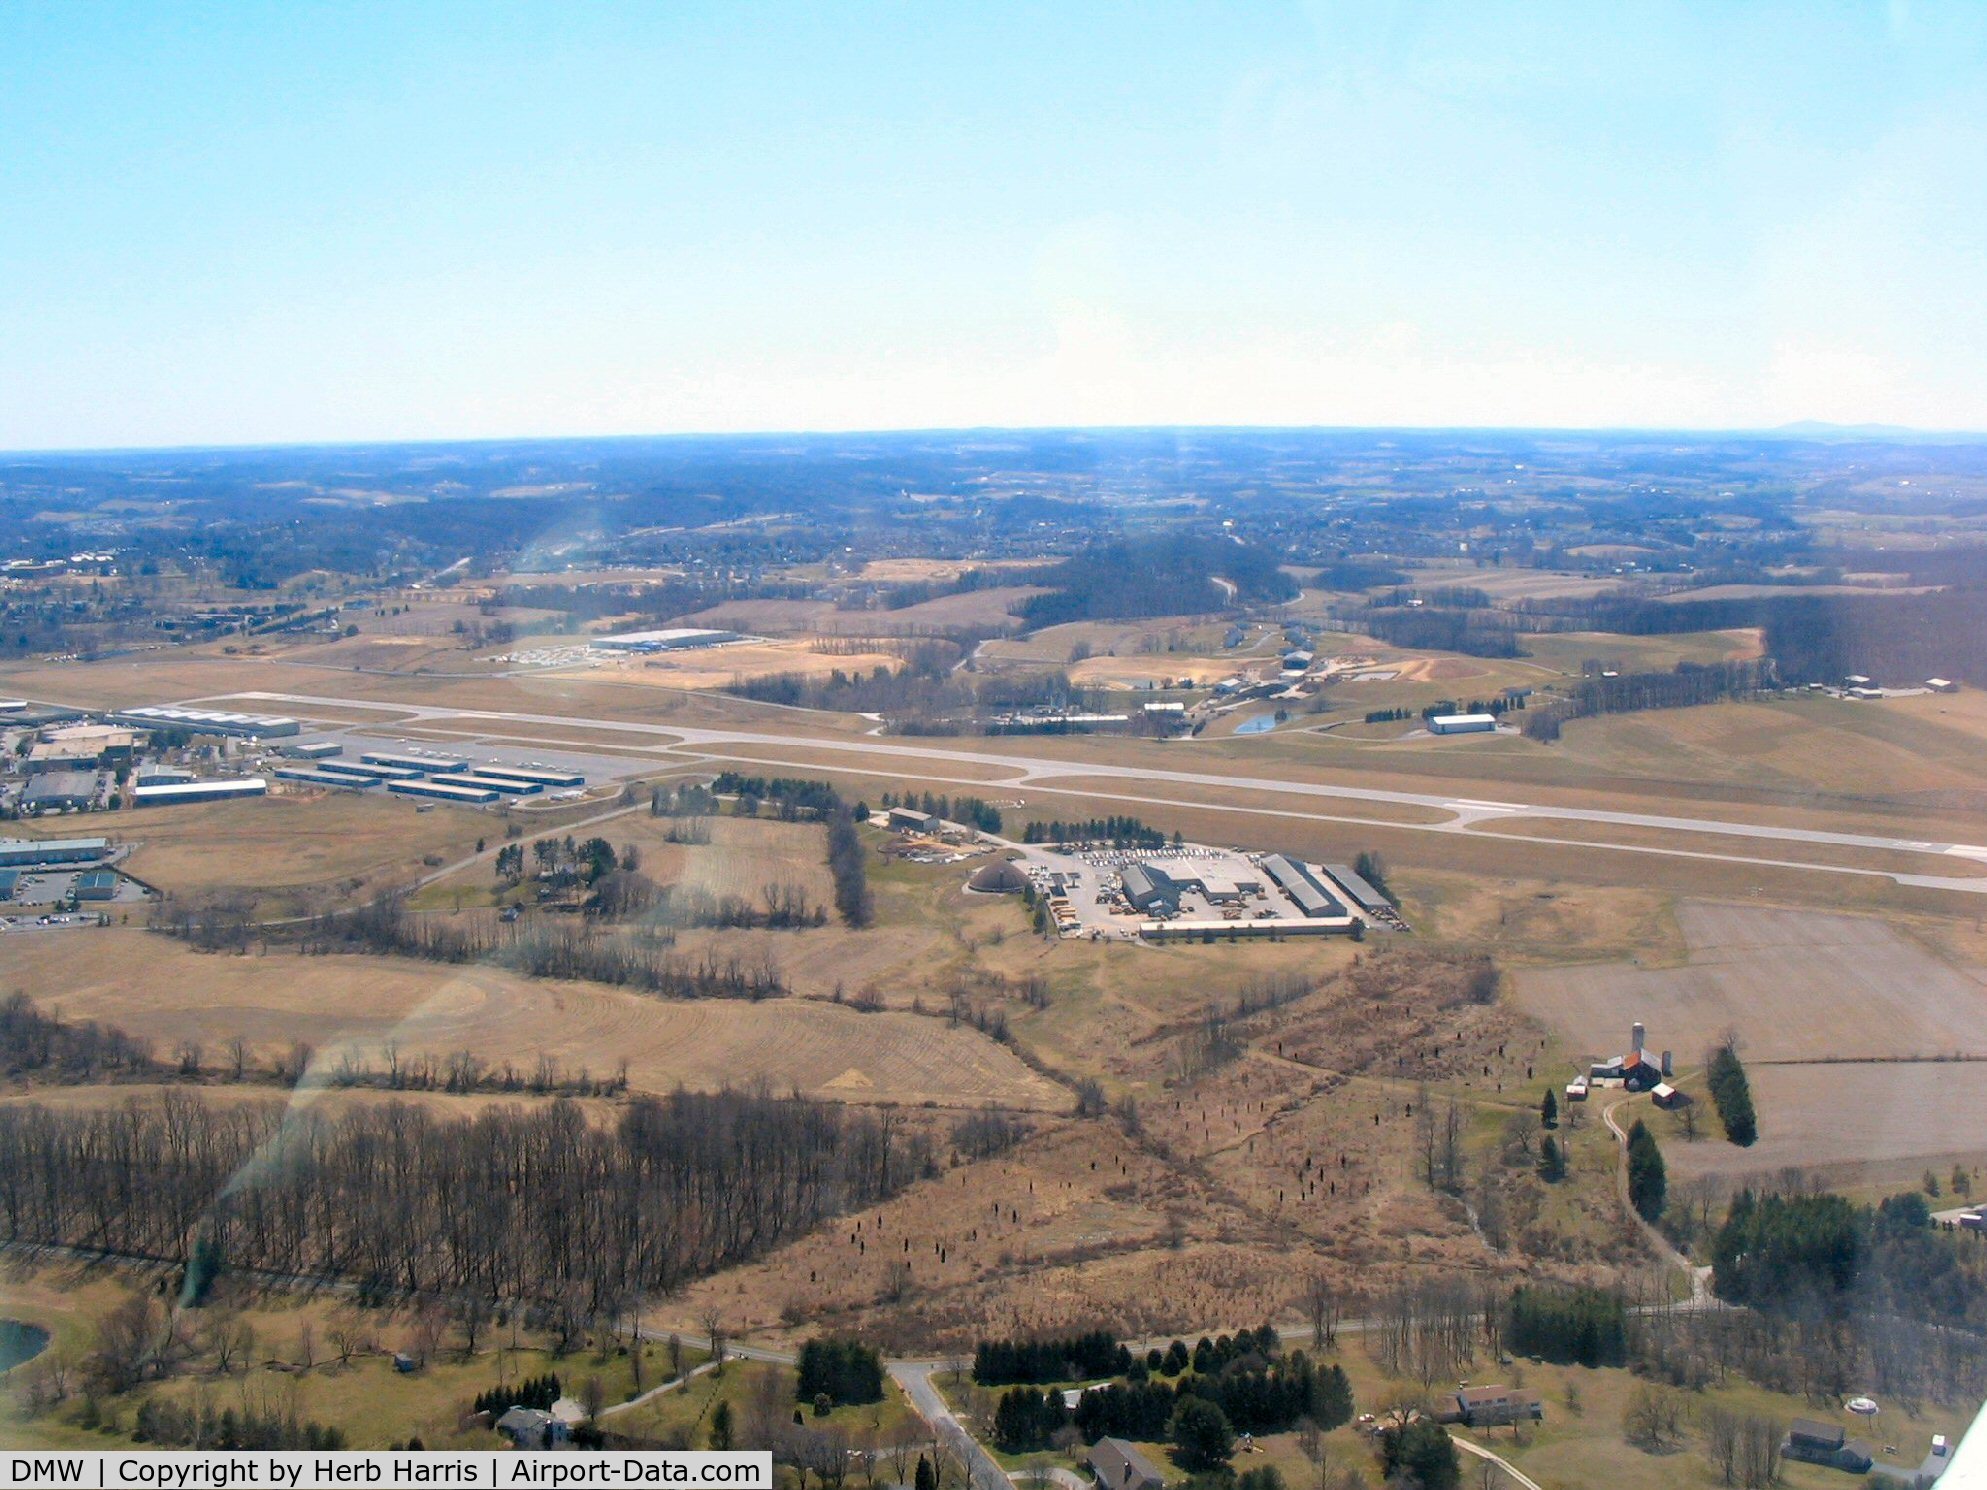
[1552,1161]
[1648,1184]
[1202,1434]
[1733,1095]
[1549,1110]
[1421,1453]
[925,1479]
[721,1433]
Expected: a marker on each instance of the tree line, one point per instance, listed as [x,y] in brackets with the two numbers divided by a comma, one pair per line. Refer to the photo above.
[1076,1358]
[1732,1095]
[1118,830]
[1688,684]
[534,1206]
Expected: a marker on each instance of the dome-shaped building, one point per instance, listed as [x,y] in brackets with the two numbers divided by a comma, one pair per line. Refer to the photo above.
[1001,877]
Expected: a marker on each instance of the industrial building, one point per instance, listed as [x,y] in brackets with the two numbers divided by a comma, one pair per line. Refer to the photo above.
[672,639]
[60,791]
[1150,889]
[510,786]
[369,773]
[442,792]
[78,747]
[10,881]
[1461,724]
[1297,881]
[421,765]
[35,853]
[209,722]
[1357,889]
[309,777]
[97,884]
[221,789]
[1275,927]
[316,750]
[528,773]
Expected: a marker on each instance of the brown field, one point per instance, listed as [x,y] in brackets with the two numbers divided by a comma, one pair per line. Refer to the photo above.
[1509,584]
[1797,985]
[286,851]
[1853,1124]
[1565,651]
[1838,1016]
[361,1001]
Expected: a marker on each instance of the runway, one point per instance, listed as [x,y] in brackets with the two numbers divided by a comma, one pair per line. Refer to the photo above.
[1461,815]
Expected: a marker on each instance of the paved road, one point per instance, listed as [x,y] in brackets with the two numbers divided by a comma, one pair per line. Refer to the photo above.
[983,1470]
[1462,814]
[1518,1476]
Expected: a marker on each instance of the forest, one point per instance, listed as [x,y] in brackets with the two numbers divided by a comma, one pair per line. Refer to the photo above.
[533,1206]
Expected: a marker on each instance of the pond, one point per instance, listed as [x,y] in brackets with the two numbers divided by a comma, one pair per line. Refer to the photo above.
[1262,724]
[20,1342]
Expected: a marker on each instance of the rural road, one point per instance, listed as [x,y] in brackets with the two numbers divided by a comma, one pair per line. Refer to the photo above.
[1040,773]
[1518,1476]
[1700,1277]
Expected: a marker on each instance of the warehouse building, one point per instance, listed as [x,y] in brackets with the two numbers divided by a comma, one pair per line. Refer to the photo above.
[1462,724]
[35,853]
[1358,888]
[672,639]
[78,747]
[221,789]
[528,773]
[209,722]
[419,764]
[316,750]
[308,777]
[510,786]
[60,791]
[1275,928]
[1297,881]
[361,772]
[442,791]
[10,881]
[96,884]
[162,776]
[1150,889]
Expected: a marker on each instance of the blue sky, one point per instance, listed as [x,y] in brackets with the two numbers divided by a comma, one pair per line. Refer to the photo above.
[232,223]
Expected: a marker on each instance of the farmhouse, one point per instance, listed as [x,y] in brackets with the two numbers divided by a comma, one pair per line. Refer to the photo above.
[1123,1466]
[1814,1442]
[1633,1069]
[1461,724]
[1496,1407]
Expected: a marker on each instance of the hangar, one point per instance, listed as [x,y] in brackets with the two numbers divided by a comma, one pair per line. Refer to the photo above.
[223,789]
[1462,724]
[671,639]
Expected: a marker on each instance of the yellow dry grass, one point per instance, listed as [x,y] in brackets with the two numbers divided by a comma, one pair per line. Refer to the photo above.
[342,1002]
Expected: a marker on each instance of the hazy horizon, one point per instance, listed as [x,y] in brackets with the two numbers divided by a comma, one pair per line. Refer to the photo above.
[265,225]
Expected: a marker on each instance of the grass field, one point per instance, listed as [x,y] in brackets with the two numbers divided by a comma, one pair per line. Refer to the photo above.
[333,1002]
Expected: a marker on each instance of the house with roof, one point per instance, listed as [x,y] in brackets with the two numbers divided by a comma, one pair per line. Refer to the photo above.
[1815,1442]
[532,1428]
[1498,1407]
[1634,1068]
[1119,1465]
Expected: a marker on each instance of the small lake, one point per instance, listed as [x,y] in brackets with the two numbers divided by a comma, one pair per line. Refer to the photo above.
[20,1342]
[1262,724]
